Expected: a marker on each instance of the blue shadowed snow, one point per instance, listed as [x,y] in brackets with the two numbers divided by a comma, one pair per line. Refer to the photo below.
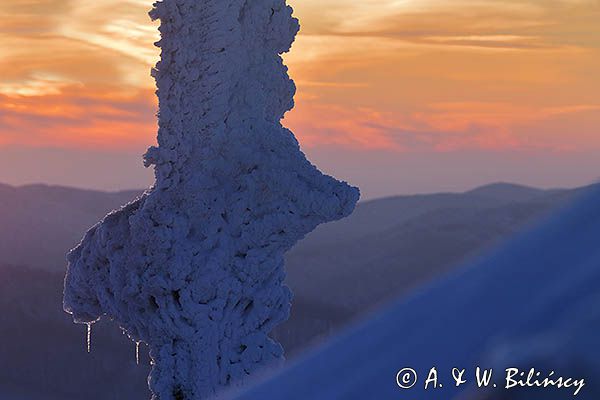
[533,303]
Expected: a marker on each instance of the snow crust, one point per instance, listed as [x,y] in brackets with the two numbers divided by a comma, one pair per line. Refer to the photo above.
[195,267]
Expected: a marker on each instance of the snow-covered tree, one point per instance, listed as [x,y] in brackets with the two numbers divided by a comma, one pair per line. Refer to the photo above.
[194,267]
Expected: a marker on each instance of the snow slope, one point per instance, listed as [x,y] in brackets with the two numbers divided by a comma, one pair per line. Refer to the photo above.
[533,303]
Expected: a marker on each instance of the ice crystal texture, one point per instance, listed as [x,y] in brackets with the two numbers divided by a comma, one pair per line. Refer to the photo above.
[194,267]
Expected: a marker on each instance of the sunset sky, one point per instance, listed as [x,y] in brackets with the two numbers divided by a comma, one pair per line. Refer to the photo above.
[396,96]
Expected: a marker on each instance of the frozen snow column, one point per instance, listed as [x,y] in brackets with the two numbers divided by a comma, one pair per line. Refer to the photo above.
[194,267]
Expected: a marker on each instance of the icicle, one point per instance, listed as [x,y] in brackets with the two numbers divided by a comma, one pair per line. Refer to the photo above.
[137,353]
[89,337]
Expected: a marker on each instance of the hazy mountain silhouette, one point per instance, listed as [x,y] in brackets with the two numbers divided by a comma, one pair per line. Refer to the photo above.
[388,246]
[39,223]
[509,192]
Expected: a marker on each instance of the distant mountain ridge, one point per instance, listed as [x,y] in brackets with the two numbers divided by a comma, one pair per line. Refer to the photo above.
[510,191]
[40,223]
[404,241]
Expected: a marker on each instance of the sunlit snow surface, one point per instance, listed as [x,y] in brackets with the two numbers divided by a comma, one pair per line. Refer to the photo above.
[194,267]
[533,303]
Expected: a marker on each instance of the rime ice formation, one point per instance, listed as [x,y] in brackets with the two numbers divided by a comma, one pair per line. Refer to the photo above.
[194,267]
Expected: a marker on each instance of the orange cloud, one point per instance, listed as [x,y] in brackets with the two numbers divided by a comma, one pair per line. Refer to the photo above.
[318,124]
[448,127]
[79,117]
[449,75]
